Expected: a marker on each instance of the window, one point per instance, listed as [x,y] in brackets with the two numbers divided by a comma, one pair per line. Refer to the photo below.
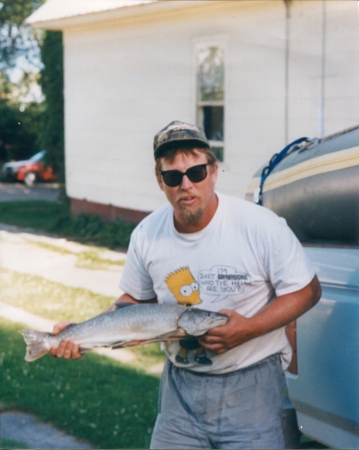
[210,95]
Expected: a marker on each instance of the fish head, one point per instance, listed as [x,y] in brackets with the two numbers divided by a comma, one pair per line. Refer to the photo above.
[197,322]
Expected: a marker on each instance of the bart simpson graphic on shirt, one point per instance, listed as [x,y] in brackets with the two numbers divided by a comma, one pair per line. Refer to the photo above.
[184,287]
[186,291]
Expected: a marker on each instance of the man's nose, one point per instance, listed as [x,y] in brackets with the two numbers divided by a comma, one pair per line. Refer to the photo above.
[186,183]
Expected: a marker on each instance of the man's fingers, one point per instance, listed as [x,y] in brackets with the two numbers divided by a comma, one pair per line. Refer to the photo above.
[214,343]
[211,339]
[67,350]
[214,347]
[214,332]
[74,352]
[61,326]
[61,348]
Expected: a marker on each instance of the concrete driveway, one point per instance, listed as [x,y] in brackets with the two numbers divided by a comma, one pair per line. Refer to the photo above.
[19,192]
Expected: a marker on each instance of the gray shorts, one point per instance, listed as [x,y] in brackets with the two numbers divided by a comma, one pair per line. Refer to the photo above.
[241,409]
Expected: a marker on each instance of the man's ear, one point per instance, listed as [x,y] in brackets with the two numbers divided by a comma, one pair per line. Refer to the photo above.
[159,180]
[214,172]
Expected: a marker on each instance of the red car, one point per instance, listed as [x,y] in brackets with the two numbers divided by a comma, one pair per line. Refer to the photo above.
[29,171]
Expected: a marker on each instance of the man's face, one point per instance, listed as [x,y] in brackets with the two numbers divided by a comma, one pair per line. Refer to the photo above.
[194,204]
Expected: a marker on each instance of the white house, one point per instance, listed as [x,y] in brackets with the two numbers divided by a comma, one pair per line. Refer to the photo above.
[255,74]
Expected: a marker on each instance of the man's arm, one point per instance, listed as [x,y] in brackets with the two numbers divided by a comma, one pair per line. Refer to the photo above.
[69,349]
[283,310]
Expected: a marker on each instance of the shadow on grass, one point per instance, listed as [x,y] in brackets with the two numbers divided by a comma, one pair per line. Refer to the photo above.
[10,443]
[96,399]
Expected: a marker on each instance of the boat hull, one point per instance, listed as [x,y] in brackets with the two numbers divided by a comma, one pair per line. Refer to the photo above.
[317,190]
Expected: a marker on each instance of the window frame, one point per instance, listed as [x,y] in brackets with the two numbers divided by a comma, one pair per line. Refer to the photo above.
[200,44]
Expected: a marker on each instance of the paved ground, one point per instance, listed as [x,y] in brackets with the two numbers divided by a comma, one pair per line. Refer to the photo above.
[19,252]
[19,191]
[27,429]
[23,427]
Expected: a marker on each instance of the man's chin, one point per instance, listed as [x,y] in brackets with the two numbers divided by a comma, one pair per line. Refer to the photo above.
[190,217]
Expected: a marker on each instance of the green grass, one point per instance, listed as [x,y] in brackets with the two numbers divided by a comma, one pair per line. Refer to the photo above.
[89,259]
[56,218]
[92,260]
[100,400]
[35,214]
[49,299]
[107,403]
[10,443]
[58,302]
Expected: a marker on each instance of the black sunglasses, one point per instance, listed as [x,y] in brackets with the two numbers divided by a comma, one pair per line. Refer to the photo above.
[195,174]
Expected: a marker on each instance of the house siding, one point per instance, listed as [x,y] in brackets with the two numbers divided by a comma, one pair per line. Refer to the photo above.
[126,79]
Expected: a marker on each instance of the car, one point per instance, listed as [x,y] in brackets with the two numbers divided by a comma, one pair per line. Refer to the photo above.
[314,185]
[30,170]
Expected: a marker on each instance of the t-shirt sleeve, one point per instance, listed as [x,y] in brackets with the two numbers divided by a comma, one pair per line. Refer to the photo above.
[136,280]
[288,267]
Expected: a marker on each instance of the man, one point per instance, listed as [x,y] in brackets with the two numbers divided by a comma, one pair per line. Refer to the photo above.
[225,390]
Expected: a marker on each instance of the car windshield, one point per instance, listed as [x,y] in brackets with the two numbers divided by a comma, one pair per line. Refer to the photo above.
[38,156]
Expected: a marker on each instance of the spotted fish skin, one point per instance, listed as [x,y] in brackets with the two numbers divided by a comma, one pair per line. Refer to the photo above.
[131,323]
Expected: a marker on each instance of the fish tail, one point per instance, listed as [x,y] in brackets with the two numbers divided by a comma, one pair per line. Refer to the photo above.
[37,344]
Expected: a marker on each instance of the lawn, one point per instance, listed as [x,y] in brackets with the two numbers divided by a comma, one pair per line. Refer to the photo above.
[56,218]
[105,402]
[89,259]
[58,302]
[109,404]
[49,299]
[10,443]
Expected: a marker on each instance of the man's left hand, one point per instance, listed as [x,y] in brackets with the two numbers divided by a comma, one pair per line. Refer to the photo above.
[221,339]
[278,313]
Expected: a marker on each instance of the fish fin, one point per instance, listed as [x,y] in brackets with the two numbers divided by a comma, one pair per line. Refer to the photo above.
[84,350]
[120,305]
[179,333]
[172,335]
[127,343]
[117,345]
[37,344]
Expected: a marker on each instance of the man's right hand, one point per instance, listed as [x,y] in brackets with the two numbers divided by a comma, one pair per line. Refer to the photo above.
[67,349]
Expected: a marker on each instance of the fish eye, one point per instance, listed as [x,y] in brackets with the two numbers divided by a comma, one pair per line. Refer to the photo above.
[194,286]
[186,290]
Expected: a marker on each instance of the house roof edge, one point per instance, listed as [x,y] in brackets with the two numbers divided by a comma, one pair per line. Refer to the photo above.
[58,15]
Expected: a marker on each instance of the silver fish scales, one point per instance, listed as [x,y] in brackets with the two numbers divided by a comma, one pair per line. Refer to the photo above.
[115,329]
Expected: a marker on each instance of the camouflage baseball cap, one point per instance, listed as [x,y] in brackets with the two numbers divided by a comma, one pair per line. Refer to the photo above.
[178,131]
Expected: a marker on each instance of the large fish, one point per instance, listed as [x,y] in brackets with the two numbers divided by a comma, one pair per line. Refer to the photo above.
[131,322]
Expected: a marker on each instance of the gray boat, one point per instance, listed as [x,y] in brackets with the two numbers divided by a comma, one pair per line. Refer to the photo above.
[314,185]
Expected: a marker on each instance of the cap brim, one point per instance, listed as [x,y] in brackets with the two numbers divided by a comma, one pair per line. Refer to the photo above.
[163,147]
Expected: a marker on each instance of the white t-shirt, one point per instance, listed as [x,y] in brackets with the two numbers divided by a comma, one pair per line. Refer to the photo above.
[242,260]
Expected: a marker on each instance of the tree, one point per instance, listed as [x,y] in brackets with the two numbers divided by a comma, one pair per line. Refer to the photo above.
[21,130]
[19,123]
[16,38]
[52,83]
